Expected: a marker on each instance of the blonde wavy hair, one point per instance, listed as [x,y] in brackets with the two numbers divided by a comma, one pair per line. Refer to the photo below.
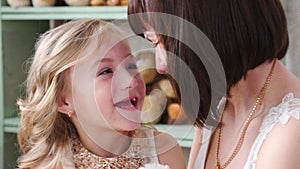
[44,133]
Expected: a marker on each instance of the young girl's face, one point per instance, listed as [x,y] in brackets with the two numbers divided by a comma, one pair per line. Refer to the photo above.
[108,91]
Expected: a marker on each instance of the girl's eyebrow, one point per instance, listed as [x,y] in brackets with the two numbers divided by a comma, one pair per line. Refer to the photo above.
[99,61]
[106,59]
[102,60]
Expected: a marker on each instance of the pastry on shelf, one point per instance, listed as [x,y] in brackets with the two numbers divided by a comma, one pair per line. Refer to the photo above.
[78,2]
[18,3]
[124,2]
[176,114]
[146,65]
[153,107]
[173,110]
[97,2]
[113,2]
[41,3]
[166,86]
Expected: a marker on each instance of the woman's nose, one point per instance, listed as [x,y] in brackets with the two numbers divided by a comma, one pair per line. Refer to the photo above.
[161,63]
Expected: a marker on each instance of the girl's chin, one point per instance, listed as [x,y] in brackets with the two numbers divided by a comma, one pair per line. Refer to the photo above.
[132,126]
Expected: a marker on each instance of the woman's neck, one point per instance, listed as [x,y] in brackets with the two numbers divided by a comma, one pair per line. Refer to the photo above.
[245,93]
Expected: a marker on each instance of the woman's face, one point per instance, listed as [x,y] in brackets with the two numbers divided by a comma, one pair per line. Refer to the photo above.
[108,91]
[161,63]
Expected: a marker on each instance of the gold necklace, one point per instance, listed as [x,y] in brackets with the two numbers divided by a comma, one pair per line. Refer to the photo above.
[246,124]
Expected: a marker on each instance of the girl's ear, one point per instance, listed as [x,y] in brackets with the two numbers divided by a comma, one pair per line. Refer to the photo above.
[64,104]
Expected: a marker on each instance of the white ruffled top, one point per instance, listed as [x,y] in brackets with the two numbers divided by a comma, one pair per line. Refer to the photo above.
[289,107]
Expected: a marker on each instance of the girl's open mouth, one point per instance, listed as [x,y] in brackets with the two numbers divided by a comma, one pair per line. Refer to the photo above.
[128,104]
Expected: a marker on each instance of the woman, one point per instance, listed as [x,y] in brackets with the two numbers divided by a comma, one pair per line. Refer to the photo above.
[261,107]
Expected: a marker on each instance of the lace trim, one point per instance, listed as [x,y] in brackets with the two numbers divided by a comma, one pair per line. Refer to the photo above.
[289,107]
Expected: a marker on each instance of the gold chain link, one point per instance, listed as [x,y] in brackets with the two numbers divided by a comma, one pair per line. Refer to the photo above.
[258,102]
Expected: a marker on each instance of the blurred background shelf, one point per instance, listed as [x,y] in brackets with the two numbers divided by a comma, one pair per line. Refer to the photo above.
[182,133]
[11,125]
[63,12]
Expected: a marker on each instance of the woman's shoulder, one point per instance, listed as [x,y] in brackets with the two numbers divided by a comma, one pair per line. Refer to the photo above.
[286,115]
[289,107]
[282,128]
[281,145]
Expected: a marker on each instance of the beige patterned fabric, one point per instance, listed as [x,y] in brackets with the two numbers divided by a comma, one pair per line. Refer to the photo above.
[141,151]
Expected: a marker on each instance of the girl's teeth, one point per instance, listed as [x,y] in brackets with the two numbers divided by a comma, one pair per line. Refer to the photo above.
[129,106]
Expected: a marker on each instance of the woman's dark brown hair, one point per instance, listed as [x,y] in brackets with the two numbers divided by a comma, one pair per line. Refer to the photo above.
[245,33]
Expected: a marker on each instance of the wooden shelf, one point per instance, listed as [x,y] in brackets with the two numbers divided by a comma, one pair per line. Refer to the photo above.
[63,13]
[182,133]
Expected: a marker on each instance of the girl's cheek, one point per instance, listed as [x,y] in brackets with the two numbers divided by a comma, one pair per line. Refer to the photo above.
[141,83]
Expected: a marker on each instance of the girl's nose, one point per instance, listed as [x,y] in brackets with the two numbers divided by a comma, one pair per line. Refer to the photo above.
[128,80]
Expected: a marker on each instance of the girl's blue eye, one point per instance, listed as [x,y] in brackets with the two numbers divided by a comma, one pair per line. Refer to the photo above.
[105,72]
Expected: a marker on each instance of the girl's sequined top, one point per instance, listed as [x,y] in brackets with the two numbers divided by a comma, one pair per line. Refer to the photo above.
[141,151]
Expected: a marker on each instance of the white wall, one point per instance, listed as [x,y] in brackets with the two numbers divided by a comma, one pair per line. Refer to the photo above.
[293,55]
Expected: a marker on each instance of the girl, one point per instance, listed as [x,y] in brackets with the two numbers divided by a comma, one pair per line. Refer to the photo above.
[83,102]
